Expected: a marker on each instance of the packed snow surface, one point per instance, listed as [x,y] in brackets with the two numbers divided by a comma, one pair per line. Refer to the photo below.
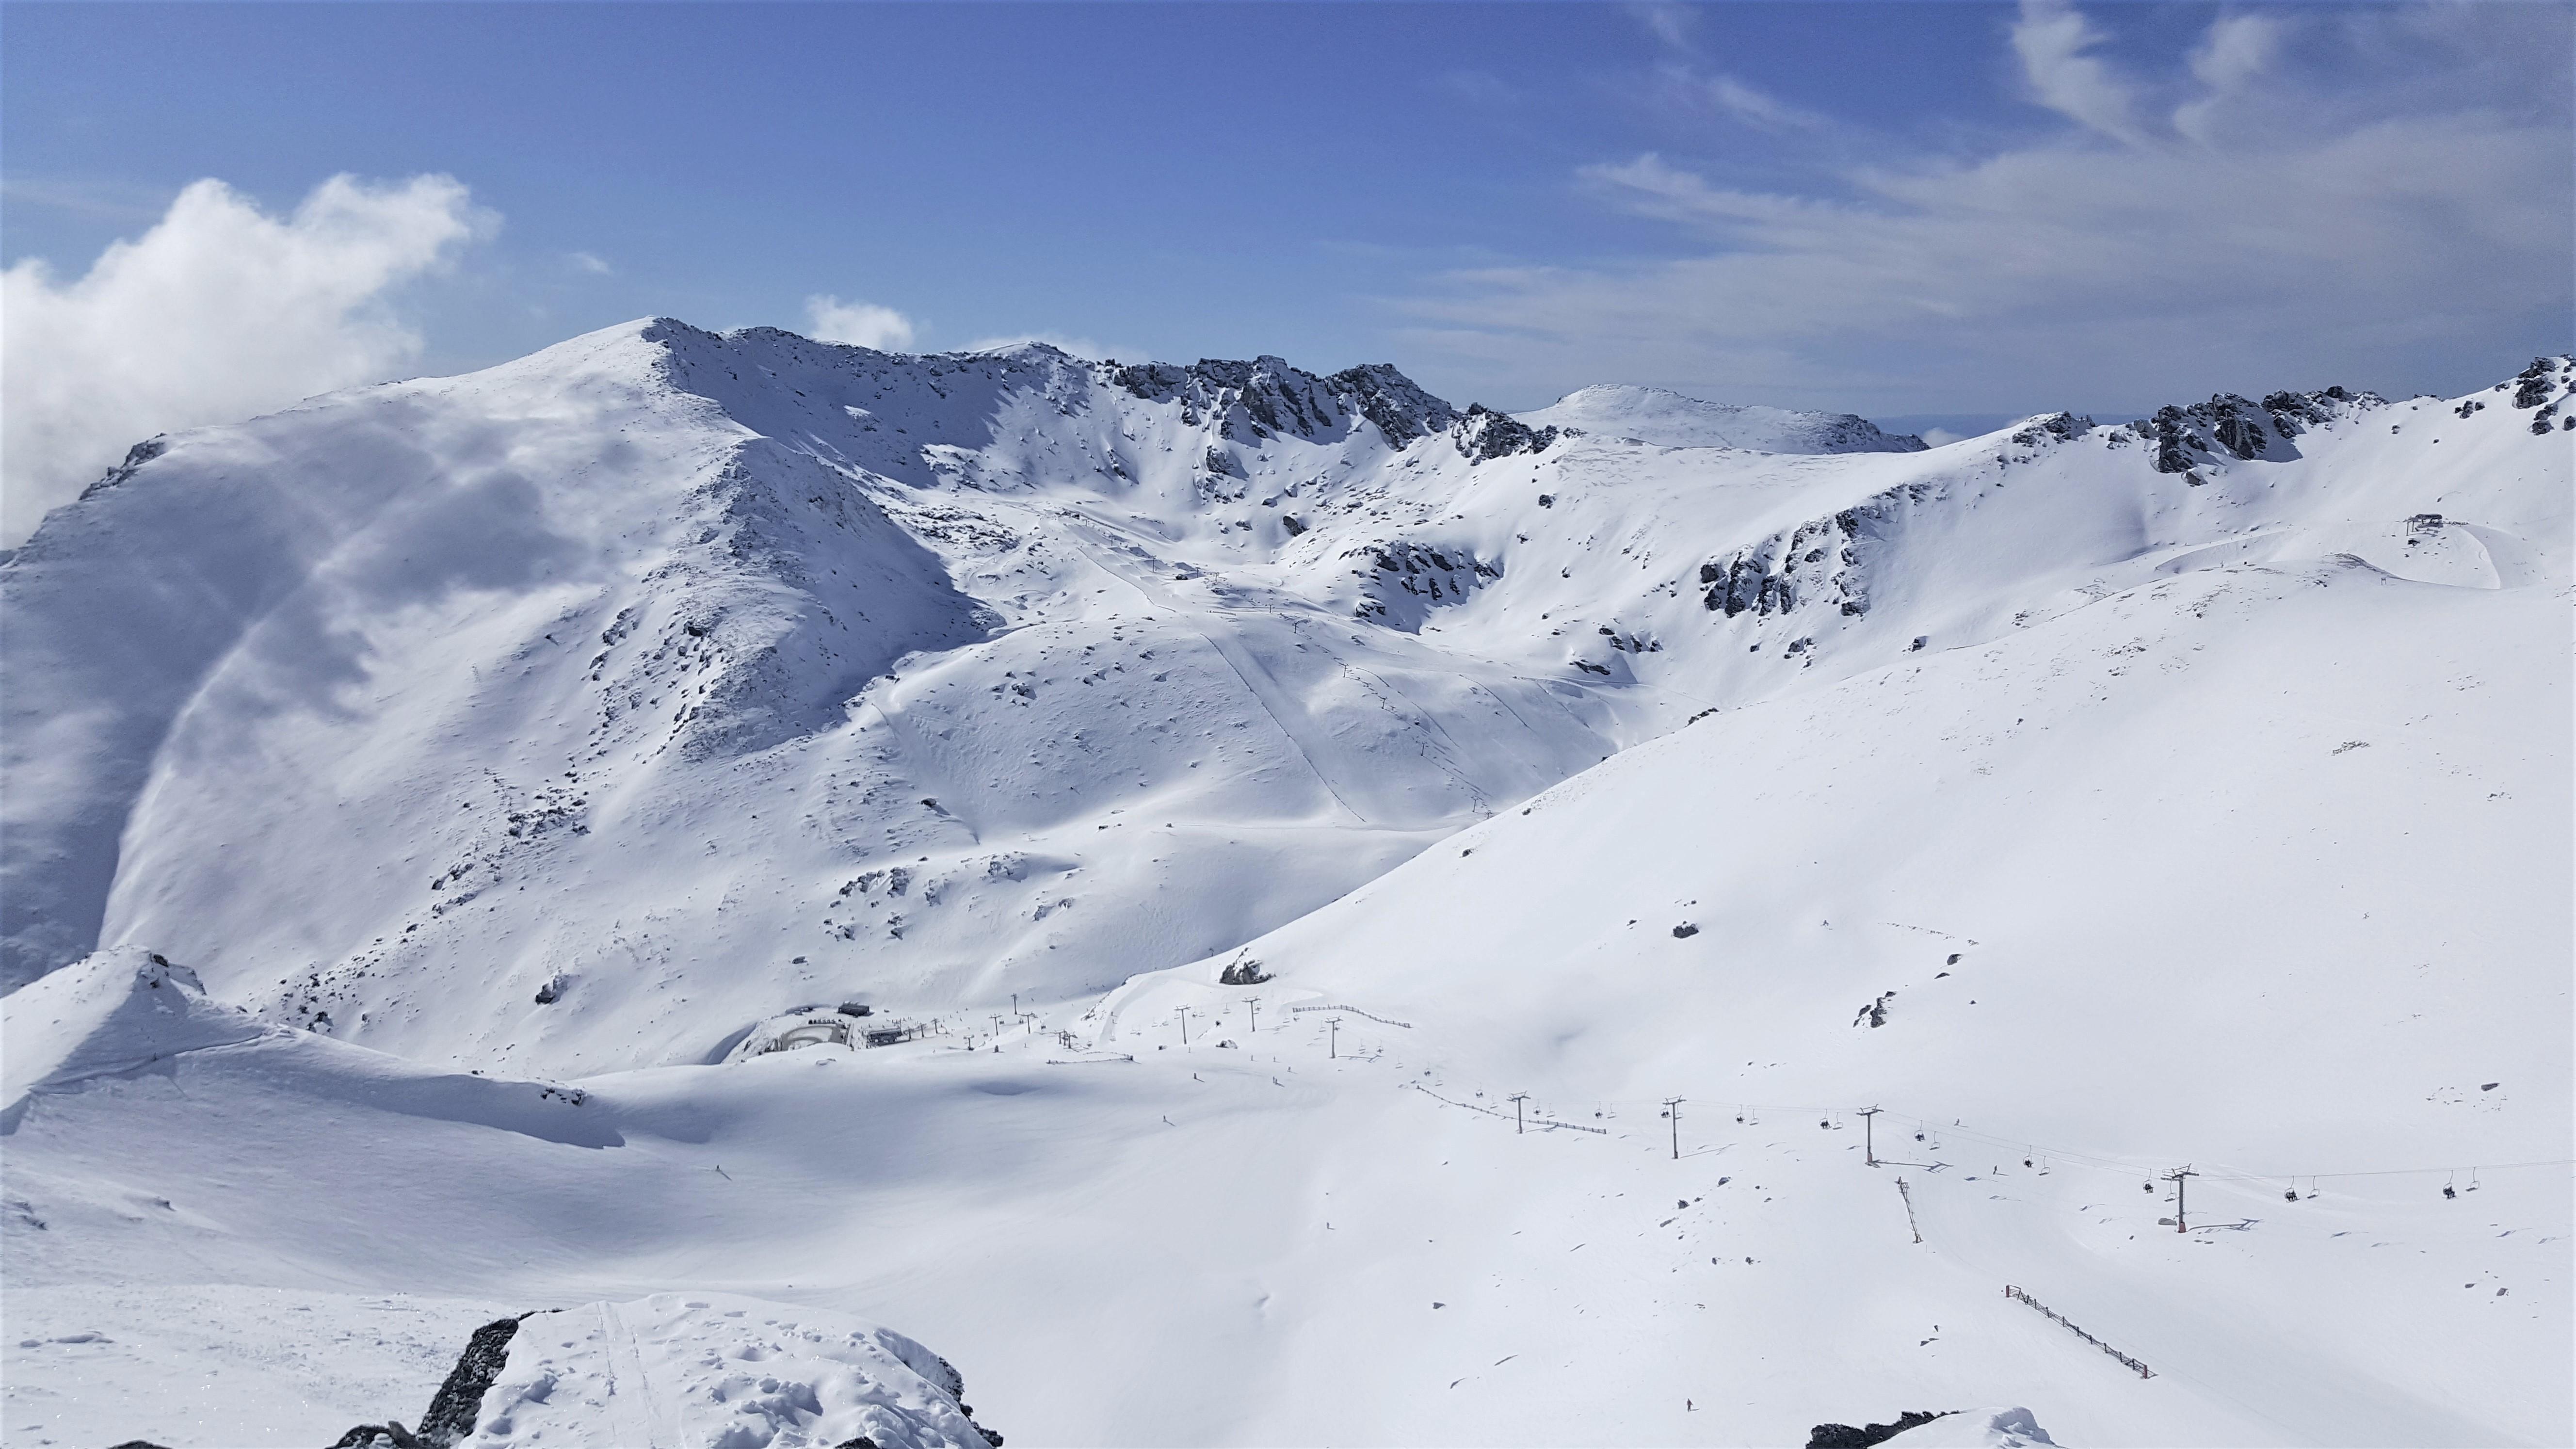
[718,1370]
[1318,833]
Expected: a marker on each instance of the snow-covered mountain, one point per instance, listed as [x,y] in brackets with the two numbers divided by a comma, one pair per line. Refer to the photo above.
[1270,776]
[1670,420]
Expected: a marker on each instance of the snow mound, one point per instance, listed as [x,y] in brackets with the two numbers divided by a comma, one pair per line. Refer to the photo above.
[111,1013]
[724,1372]
[1670,420]
[2011,1428]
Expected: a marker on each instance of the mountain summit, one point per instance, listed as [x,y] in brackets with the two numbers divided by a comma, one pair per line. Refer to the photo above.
[1670,420]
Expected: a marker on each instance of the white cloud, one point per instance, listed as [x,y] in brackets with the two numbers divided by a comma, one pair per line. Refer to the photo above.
[218,312]
[2381,205]
[860,324]
[2051,37]
[585,262]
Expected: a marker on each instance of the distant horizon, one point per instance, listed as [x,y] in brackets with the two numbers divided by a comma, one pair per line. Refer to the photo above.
[1955,426]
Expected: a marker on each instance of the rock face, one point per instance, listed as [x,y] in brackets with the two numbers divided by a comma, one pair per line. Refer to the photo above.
[1484,435]
[1266,398]
[2543,387]
[2185,438]
[452,1412]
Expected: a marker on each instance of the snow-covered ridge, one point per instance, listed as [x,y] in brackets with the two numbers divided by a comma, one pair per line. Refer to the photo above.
[1672,420]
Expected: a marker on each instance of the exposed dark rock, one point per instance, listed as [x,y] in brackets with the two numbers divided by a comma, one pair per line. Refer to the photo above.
[1242,971]
[388,1435]
[135,457]
[2237,425]
[1844,1436]
[1685,931]
[1250,401]
[2240,435]
[1386,397]
[1820,560]
[1427,574]
[452,1410]
[2057,427]
[1483,435]
[2535,382]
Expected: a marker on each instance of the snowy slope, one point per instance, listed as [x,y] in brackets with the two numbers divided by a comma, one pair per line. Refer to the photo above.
[705,676]
[2234,780]
[1668,419]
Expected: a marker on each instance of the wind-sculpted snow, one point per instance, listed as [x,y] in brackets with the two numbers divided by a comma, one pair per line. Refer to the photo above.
[724,1371]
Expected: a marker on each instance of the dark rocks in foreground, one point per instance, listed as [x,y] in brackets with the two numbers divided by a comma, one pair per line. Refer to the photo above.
[1844,1436]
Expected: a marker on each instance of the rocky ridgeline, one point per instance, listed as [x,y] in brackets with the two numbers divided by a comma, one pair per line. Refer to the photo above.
[1252,402]
[1266,397]
[2185,439]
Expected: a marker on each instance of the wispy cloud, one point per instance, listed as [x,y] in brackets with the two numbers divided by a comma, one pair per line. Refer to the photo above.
[94,200]
[2233,208]
[585,262]
[1670,24]
[1686,88]
[219,311]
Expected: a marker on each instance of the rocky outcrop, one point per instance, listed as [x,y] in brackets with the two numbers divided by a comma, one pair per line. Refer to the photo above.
[2538,387]
[1483,435]
[1844,1436]
[135,457]
[1422,574]
[1266,397]
[452,1409]
[2228,426]
[1818,561]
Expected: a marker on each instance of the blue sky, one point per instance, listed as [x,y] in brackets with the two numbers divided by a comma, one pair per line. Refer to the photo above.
[1907,210]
